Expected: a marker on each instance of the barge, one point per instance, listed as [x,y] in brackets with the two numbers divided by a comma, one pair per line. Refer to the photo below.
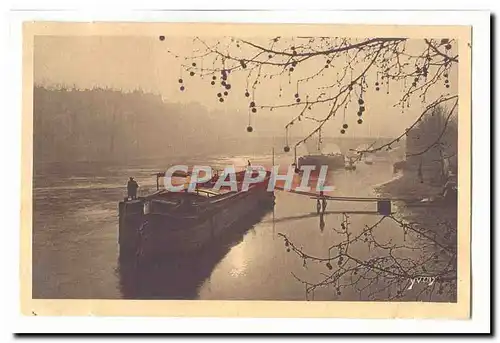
[333,161]
[183,222]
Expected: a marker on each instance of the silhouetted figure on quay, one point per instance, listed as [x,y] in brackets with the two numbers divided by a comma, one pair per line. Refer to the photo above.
[132,188]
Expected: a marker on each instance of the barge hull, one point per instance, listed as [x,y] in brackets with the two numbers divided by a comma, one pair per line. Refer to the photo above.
[151,234]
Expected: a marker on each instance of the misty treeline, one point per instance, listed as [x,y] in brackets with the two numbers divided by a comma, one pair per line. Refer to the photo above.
[102,124]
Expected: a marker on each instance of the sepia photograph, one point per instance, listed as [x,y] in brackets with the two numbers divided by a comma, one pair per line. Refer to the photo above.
[285,164]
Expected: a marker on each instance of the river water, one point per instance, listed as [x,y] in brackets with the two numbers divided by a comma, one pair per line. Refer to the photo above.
[75,234]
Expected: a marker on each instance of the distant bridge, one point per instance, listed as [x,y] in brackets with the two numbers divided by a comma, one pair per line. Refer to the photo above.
[347,144]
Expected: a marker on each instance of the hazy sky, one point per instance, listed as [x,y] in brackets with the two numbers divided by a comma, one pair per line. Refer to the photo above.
[145,62]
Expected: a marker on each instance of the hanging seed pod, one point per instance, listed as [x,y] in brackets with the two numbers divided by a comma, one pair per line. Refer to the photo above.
[182,88]
[297,100]
[249,128]
[193,64]
[212,83]
[219,95]
[252,104]
[181,80]
[342,131]
[228,86]
[214,77]
[296,95]
[345,126]
[361,102]
[286,148]
[254,110]
[247,94]
[291,69]
[226,93]
[360,121]
[221,99]
[162,38]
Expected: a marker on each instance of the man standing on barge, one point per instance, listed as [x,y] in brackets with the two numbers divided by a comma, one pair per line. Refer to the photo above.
[132,188]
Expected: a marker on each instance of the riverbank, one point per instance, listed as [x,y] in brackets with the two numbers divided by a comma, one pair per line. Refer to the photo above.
[432,210]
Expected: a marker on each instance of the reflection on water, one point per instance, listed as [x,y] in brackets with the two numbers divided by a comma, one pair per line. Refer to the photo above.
[181,276]
[75,234]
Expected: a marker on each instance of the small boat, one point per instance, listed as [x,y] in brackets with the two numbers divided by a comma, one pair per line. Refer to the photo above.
[178,222]
[350,167]
[350,163]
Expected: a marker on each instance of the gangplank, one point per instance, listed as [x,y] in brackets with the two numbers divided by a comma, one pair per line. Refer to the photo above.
[384,205]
